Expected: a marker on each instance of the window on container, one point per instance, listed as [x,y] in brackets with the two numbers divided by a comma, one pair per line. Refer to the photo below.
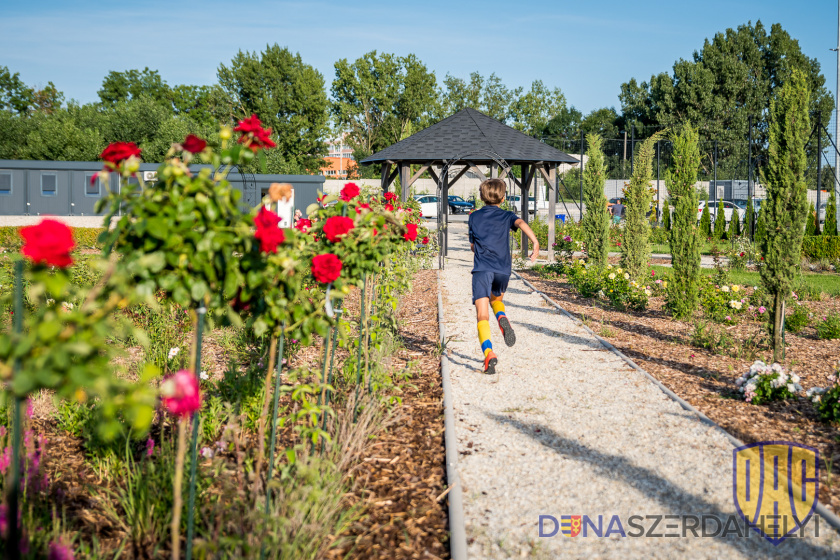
[49,184]
[5,182]
[92,185]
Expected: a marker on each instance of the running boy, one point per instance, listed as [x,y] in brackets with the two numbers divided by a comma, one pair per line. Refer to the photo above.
[488,230]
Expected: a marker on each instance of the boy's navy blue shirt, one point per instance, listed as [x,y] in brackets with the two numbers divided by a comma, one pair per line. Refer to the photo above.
[489,227]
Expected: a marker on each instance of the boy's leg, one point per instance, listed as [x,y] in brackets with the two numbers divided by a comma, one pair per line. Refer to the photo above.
[481,285]
[497,295]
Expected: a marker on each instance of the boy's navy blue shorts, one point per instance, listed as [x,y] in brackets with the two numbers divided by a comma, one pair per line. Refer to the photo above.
[486,283]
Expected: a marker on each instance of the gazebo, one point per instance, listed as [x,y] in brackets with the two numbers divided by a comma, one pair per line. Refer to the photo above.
[469,139]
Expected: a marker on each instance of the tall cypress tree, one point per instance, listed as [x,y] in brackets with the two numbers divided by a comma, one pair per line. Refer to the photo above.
[734,225]
[749,219]
[636,247]
[706,218]
[666,221]
[595,224]
[684,288]
[720,222]
[811,223]
[786,206]
[830,226]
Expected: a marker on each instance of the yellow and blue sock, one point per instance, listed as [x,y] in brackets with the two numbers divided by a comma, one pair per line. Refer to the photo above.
[484,337]
[498,308]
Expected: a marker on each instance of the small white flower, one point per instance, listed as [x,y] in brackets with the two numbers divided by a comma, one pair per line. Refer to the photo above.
[791,387]
[173,352]
[611,276]
[50,301]
[203,375]
[794,378]
[207,453]
[724,288]
[626,276]
[739,381]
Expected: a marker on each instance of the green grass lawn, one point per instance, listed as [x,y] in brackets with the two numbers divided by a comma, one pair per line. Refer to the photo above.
[705,249]
[828,283]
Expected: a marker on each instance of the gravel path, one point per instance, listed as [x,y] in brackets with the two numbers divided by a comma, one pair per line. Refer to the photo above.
[568,428]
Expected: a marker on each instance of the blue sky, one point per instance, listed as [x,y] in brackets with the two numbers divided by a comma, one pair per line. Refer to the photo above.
[587,49]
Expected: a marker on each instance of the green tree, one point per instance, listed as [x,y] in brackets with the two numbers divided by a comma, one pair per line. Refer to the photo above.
[830,224]
[119,87]
[749,218]
[14,94]
[731,78]
[58,137]
[666,215]
[706,218]
[287,95]
[760,229]
[684,288]
[488,95]
[811,223]
[720,222]
[378,98]
[531,111]
[595,224]
[734,225]
[635,251]
[787,202]
[562,128]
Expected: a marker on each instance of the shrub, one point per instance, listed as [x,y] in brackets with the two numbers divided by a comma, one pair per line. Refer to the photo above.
[740,253]
[811,223]
[706,220]
[799,319]
[819,247]
[830,226]
[763,383]
[666,218]
[722,303]
[587,280]
[734,230]
[720,222]
[706,336]
[623,292]
[829,327]
[85,238]
[827,401]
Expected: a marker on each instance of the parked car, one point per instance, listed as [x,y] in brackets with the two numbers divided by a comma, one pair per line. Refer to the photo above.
[428,205]
[458,205]
[515,203]
[728,208]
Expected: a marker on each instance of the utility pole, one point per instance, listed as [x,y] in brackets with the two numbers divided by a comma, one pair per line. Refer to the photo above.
[835,193]
[633,144]
[624,161]
[749,171]
[817,228]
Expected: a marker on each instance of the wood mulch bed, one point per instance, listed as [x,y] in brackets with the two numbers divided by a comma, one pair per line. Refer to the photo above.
[402,480]
[399,482]
[706,379]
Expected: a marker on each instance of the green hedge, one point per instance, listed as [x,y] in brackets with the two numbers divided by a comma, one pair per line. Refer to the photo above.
[85,238]
[818,247]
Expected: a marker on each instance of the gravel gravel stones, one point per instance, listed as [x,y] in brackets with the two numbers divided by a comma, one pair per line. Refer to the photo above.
[568,428]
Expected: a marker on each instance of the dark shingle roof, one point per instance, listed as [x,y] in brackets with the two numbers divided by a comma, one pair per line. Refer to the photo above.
[470,134]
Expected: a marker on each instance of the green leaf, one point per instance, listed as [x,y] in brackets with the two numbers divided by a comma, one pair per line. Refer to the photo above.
[49,330]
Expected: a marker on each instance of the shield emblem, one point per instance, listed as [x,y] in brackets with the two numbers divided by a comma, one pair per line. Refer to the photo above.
[775,486]
[570,525]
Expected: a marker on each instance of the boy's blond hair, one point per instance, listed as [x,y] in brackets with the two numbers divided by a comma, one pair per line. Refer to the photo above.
[492,191]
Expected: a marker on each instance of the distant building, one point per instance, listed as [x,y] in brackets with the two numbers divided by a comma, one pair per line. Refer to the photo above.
[340,163]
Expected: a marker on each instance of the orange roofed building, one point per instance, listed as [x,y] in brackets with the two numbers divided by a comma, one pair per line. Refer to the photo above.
[340,163]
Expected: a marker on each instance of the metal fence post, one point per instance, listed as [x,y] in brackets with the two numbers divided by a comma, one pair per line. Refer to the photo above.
[817,228]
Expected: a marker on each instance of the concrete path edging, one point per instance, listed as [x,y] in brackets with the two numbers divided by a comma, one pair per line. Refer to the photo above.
[830,517]
[457,526]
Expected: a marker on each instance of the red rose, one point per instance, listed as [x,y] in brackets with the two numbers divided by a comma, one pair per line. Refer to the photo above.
[411,234]
[118,152]
[194,144]
[425,241]
[180,393]
[268,233]
[389,207]
[375,232]
[303,224]
[390,196]
[337,226]
[49,242]
[349,192]
[254,136]
[361,207]
[326,268]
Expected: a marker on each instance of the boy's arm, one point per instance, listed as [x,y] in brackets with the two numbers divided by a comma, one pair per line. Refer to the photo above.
[529,233]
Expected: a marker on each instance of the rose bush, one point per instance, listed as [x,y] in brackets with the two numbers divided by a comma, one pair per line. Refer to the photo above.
[764,383]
